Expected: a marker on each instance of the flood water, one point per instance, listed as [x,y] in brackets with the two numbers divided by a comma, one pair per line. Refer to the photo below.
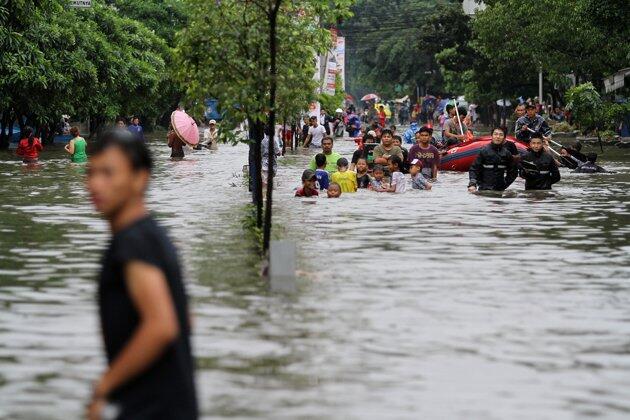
[431,304]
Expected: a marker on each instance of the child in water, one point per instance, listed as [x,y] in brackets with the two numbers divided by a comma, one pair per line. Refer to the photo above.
[309,187]
[418,181]
[398,183]
[322,175]
[334,190]
[346,179]
[378,183]
[363,179]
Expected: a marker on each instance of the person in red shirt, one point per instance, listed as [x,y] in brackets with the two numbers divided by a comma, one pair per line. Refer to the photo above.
[309,186]
[29,146]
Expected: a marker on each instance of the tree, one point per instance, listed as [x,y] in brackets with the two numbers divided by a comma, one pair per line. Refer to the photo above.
[586,106]
[255,57]
[558,36]
[165,18]
[384,47]
[88,63]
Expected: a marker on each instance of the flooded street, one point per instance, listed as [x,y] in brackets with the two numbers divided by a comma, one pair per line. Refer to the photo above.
[431,304]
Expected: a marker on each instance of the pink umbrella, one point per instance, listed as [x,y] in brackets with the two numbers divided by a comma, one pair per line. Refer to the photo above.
[370,97]
[185,127]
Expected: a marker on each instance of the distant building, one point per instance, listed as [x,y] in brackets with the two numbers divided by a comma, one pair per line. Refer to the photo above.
[471,6]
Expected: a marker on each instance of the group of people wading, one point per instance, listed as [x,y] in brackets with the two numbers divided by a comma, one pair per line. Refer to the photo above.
[381,162]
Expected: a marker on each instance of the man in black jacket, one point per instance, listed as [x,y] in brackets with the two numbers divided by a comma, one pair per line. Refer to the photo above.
[531,123]
[538,167]
[495,168]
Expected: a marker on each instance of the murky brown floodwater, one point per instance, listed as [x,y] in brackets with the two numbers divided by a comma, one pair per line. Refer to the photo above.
[437,304]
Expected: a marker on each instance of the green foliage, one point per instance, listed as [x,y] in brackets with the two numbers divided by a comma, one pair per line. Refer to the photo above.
[392,43]
[163,17]
[614,113]
[585,105]
[224,54]
[608,135]
[561,127]
[249,225]
[86,63]
[559,36]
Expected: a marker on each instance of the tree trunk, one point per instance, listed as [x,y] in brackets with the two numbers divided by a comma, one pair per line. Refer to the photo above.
[273,21]
[4,131]
[256,136]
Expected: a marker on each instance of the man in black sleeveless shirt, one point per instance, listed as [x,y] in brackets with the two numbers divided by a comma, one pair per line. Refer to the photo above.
[142,301]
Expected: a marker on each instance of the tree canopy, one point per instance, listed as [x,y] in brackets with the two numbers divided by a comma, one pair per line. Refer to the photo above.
[495,54]
[224,54]
[89,63]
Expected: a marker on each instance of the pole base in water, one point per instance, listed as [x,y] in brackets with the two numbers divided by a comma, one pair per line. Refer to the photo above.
[282,266]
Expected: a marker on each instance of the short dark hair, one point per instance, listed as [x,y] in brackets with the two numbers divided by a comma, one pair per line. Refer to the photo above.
[386,131]
[449,107]
[378,168]
[320,159]
[396,160]
[530,106]
[591,157]
[134,150]
[397,137]
[536,135]
[503,129]
[462,111]
[328,138]
[312,117]
[342,162]
[425,129]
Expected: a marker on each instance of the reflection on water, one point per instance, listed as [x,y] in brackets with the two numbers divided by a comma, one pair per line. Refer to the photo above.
[431,304]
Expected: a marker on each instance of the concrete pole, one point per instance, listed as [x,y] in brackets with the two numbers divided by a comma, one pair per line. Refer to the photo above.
[282,255]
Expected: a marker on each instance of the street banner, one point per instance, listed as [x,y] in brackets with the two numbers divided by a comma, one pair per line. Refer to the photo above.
[341,60]
[331,73]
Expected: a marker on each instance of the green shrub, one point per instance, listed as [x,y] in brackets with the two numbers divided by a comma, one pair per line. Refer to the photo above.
[561,127]
[613,114]
[585,105]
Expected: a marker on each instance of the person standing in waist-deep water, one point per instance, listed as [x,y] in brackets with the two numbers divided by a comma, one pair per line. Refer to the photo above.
[76,146]
[537,166]
[176,144]
[136,129]
[211,136]
[142,302]
[29,146]
[494,168]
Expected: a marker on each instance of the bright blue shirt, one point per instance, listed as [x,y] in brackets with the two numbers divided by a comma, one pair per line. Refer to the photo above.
[323,179]
[409,135]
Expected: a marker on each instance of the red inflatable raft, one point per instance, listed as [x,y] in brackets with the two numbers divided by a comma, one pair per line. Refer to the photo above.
[460,158]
